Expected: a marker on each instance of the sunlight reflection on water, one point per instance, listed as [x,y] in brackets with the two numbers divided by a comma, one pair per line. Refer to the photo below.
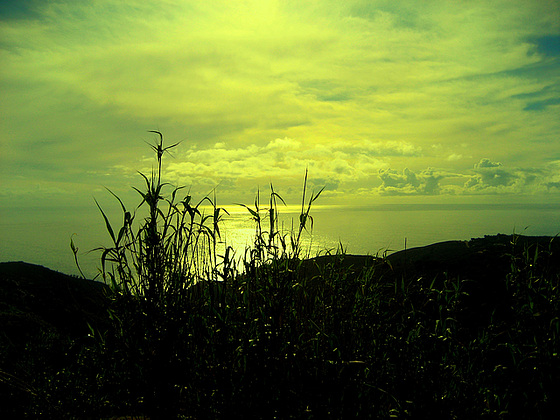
[41,236]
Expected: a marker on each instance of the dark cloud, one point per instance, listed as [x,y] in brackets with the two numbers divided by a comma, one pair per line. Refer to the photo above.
[431,181]
[489,174]
[493,174]
[493,178]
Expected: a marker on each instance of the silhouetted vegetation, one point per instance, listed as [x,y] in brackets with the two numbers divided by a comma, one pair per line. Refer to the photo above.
[458,330]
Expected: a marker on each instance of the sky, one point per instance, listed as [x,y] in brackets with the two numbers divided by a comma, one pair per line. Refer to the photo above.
[378,99]
[382,101]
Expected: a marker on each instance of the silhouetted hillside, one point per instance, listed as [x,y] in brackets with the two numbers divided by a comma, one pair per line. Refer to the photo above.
[33,296]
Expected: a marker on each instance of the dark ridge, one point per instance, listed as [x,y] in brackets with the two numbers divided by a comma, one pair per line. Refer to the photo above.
[484,260]
[33,296]
[478,258]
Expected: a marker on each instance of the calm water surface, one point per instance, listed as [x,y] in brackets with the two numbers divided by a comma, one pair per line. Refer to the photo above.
[40,236]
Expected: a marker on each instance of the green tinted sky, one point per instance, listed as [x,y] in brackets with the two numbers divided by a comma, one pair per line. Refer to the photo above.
[383,101]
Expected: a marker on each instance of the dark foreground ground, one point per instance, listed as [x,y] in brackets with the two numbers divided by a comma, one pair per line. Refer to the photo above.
[451,330]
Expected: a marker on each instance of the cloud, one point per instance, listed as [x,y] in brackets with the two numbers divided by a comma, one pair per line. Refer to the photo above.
[486,163]
[282,161]
[487,177]
[408,182]
[490,175]
[493,178]
[454,157]
[387,148]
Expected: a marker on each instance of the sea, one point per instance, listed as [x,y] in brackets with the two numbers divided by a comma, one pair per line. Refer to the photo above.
[42,235]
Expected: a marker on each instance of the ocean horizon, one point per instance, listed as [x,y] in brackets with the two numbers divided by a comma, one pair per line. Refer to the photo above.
[371,230]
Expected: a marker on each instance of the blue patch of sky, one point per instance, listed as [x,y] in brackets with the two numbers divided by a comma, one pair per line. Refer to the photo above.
[17,9]
[541,105]
[548,68]
[549,45]
[540,100]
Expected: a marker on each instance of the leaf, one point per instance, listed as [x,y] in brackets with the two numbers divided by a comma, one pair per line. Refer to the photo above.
[117,197]
[302,219]
[141,193]
[72,246]
[75,252]
[251,211]
[316,196]
[107,223]
[121,233]
[279,197]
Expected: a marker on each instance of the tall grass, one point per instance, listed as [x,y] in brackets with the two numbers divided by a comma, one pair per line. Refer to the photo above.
[167,276]
[174,246]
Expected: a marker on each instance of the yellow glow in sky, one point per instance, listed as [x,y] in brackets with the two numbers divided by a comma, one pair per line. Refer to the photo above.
[381,100]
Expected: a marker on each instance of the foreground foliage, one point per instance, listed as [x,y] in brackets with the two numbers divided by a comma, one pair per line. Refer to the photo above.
[194,334]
